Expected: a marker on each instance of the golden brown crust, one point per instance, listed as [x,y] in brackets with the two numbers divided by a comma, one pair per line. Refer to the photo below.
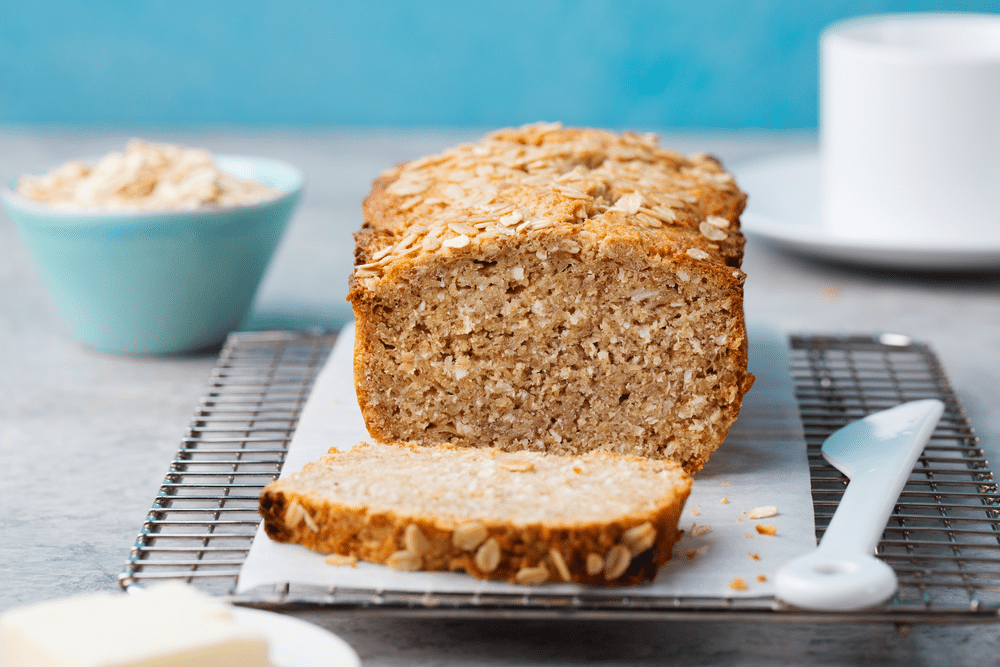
[373,529]
[544,176]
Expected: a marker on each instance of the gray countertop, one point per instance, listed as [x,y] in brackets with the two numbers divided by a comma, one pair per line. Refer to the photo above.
[86,437]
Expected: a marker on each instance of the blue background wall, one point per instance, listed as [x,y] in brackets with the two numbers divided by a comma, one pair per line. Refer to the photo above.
[393,63]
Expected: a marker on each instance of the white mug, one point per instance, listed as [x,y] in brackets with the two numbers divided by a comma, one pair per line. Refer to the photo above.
[910,128]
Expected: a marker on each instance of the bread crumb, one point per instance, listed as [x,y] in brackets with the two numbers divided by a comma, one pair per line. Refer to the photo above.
[763,512]
[766,529]
[724,484]
[694,512]
[761,578]
[748,535]
[339,560]
[753,555]
[739,520]
[738,584]
[697,530]
[700,551]
[724,501]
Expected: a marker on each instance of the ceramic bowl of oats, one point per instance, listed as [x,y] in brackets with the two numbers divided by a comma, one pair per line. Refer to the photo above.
[157,249]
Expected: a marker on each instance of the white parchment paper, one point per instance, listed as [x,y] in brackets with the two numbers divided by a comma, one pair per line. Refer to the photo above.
[762,462]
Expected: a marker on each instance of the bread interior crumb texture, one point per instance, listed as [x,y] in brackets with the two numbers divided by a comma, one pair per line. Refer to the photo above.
[593,330]
[524,488]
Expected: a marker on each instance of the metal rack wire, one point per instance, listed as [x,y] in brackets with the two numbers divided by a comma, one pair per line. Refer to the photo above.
[203,520]
[943,539]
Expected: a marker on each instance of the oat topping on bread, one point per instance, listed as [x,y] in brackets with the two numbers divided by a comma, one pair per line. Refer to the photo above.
[544,176]
[553,289]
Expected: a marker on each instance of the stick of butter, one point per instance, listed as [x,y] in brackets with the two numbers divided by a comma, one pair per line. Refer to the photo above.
[168,625]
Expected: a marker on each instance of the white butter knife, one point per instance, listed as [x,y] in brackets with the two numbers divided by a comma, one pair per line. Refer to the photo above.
[877,454]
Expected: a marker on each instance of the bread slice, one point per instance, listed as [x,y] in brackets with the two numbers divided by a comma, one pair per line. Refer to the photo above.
[553,289]
[525,517]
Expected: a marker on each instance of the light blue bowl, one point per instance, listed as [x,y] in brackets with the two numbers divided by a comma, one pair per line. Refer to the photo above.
[155,283]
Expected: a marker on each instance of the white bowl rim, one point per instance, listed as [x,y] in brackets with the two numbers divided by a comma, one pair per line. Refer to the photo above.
[8,193]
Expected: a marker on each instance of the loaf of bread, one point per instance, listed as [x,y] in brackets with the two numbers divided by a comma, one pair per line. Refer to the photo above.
[524,517]
[553,289]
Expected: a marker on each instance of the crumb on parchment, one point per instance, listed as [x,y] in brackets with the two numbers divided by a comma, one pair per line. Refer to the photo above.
[697,530]
[694,553]
[763,512]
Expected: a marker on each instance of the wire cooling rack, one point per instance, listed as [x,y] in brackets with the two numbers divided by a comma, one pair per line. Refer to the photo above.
[942,540]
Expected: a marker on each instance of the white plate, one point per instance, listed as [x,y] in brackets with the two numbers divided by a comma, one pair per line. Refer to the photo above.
[297,643]
[784,209]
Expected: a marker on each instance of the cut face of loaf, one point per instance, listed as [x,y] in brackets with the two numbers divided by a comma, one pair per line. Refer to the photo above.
[553,290]
[527,518]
